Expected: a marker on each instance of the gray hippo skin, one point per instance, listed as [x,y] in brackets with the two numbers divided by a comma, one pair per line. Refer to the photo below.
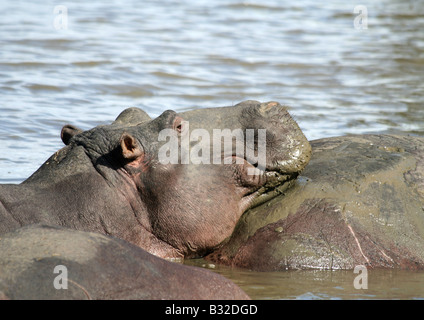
[109,179]
[97,267]
[360,201]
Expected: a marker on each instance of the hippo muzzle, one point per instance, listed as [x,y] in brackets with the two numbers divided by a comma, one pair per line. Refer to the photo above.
[284,148]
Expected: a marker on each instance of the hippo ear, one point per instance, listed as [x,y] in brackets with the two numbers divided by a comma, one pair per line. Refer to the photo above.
[181,126]
[68,131]
[131,149]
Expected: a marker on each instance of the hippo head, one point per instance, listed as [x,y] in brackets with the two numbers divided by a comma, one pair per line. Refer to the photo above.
[190,186]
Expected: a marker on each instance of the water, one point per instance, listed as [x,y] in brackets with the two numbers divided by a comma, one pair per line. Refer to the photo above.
[158,55]
[376,284]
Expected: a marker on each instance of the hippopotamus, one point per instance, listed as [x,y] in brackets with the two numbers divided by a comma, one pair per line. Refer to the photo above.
[49,262]
[359,202]
[120,180]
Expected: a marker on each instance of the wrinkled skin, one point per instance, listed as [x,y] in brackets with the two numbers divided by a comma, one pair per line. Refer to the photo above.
[360,201]
[97,267]
[109,180]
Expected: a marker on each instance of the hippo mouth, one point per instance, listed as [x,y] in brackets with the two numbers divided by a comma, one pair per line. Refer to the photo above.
[276,183]
[269,183]
[280,172]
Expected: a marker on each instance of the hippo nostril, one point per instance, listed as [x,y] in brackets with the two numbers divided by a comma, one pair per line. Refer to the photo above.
[266,108]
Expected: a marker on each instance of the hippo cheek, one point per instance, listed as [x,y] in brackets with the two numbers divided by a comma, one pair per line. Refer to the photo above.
[192,208]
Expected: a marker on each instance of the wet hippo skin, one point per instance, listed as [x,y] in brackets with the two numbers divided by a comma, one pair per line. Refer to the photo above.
[360,201]
[97,267]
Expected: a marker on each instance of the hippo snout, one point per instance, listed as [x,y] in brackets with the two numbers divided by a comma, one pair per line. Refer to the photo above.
[288,150]
[296,158]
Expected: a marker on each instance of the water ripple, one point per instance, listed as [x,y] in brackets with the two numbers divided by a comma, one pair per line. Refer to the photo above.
[308,55]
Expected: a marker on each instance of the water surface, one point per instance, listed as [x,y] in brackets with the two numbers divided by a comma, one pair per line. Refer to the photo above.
[324,284]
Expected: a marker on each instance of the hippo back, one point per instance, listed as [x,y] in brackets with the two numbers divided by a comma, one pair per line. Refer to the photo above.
[40,262]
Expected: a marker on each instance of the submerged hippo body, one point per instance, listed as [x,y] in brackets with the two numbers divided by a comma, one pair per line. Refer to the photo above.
[360,201]
[110,179]
[43,262]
